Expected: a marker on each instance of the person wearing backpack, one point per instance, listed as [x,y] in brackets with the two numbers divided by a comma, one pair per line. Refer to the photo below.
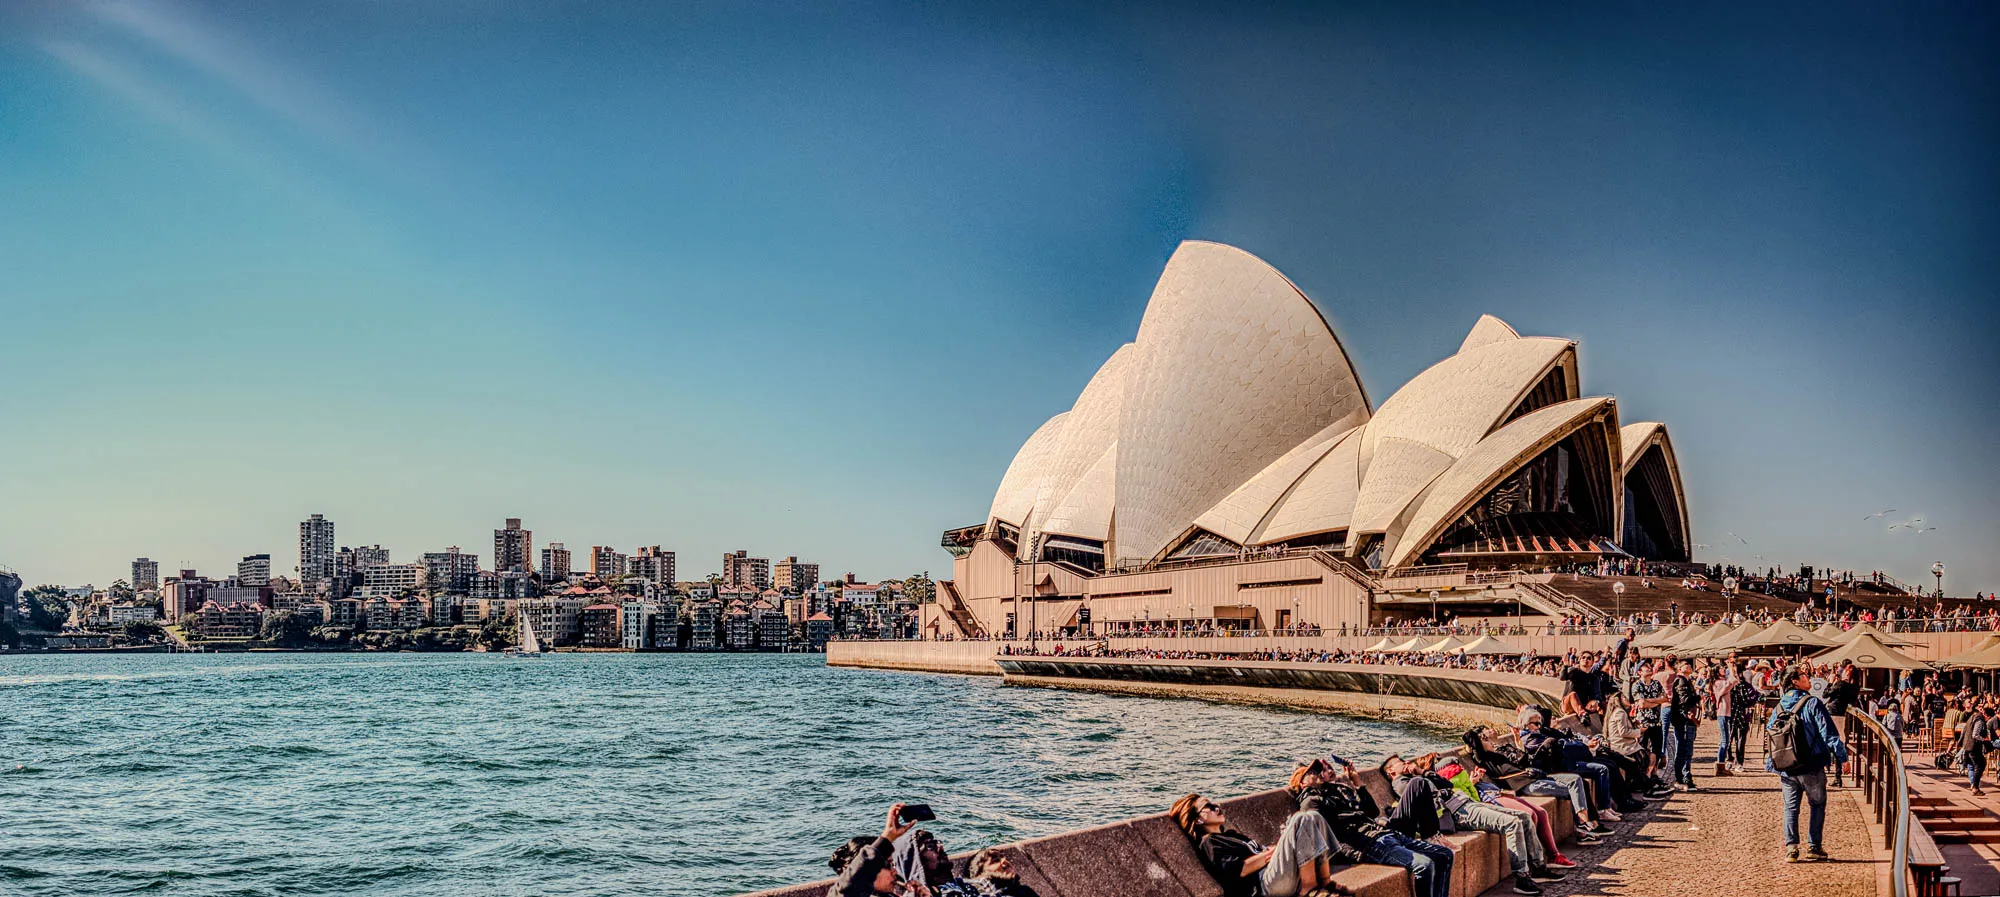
[1803,739]
[1975,738]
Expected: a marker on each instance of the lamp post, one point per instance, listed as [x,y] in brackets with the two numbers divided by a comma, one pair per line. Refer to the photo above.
[1434,607]
[1937,570]
[1618,589]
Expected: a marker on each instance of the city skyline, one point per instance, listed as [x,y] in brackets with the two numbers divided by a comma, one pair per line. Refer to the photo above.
[743,272]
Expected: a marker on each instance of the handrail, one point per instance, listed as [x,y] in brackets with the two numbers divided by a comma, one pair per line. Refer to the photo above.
[1886,784]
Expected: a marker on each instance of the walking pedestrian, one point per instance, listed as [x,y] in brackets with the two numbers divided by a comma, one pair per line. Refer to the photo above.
[1814,742]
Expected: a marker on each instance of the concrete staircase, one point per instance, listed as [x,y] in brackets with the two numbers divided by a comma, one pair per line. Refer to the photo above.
[954,607]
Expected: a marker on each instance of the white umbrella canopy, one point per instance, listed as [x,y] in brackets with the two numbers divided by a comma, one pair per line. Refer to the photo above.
[1450,643]
[1382,645]
[1487,644]
[1699,640]
[1728,641]
[1868,653]
[1784,634]
[1661,636]
[1411,645]
[1978,649]
[1890,639]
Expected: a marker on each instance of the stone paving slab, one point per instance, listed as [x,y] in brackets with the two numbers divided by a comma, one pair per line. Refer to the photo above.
[1723,840]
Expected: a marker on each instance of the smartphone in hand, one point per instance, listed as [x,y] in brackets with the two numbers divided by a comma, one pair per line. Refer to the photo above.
[918,813]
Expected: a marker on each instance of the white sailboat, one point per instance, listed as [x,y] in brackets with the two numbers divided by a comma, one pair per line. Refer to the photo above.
[530,646]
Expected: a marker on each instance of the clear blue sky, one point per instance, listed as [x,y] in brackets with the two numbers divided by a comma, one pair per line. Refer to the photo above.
[758,276]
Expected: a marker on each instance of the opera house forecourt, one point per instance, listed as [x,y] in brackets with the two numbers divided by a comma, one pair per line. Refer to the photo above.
[1227,470]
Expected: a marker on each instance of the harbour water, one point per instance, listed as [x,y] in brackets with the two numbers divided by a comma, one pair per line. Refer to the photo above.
[602,775]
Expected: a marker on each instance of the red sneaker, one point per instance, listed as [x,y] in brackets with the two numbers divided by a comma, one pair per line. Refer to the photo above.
[1562,862]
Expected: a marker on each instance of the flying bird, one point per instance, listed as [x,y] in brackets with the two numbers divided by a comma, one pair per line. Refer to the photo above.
[1908,524]
[1739,538]
[1700,545]
[1880,514]
[1920,530]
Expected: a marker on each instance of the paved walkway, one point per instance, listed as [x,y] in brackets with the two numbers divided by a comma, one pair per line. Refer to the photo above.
[1723,840]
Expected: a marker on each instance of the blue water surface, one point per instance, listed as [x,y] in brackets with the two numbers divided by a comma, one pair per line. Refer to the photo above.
[602,775]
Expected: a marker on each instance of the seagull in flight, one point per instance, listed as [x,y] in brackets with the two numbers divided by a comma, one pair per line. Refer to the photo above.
[1911,524]
[1920,530]
[1880,514]
[1700,545]
[1739,538]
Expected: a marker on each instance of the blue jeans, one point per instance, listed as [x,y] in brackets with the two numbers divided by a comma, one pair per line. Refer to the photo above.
[1429,864]
[1975,768]
[1563,785]
[1812,787]
[1601,775]
[1684,752]
[1722,739]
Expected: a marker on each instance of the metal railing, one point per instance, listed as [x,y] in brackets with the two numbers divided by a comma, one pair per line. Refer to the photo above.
[1878,769]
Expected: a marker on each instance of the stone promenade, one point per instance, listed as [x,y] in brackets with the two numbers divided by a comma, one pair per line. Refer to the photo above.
[1723,840]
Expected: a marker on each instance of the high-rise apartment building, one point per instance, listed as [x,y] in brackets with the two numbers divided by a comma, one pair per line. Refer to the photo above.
[451,571]
[145,574]
[315,549]
[555,562]
[254,572]
[513,548]
[653,565]
[793,577]
[366,556]
[741,570]
[607,563]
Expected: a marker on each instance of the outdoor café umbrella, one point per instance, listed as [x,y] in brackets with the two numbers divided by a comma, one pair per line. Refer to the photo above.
[1657,637]
[1893,641]
[1406,647]
[1382,645]
[1450,643]
[1978,649]
[1728,643]
[1487,644]
[1784,634]
[1867,652]
[1699,640]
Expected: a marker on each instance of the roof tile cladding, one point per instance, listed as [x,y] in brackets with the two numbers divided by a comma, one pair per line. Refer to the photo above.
[1322,500]
[1236,367]
[1237,410]
[1236,517]
[1488,463]
[1438,416]
[1016,495]
[1090,430]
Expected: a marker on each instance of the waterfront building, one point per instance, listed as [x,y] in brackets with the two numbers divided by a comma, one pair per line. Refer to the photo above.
[555,617]
[741,570]
[739,628]
[1226,470]
[653,565]
[450,571]
[391,579]
[234,620]
[237,594]
[516,584]
[635,624]
[183,594]
[665,634]
[792,576]
[314,613]
[344,612]
[254,571]
[444,609]
[513,548]
[555,563]
[121,614]
[819,629]
[607,563]
[705,625]
[599,626]
[315,549]
[774,632]
[145,574]
[485,584]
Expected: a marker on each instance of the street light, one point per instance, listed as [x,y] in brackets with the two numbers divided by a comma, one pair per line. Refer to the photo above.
[1434,607]
[1618,589]
[1937,570]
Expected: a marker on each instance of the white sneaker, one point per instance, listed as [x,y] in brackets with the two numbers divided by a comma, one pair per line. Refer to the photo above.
[1610,815]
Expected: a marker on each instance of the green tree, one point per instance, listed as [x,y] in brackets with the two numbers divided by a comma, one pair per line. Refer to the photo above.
[920,589]
[48,607]
[121,591]
[143,632]
[285,629]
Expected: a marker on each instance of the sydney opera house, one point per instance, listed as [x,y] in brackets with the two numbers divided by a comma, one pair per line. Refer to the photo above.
[1228,469]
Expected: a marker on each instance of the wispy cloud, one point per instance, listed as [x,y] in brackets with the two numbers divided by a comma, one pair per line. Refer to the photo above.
[278,91]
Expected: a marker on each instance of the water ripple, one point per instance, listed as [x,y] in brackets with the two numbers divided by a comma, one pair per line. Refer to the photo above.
[476,775]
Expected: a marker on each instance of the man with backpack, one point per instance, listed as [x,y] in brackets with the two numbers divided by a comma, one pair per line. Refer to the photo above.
[1803,739]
